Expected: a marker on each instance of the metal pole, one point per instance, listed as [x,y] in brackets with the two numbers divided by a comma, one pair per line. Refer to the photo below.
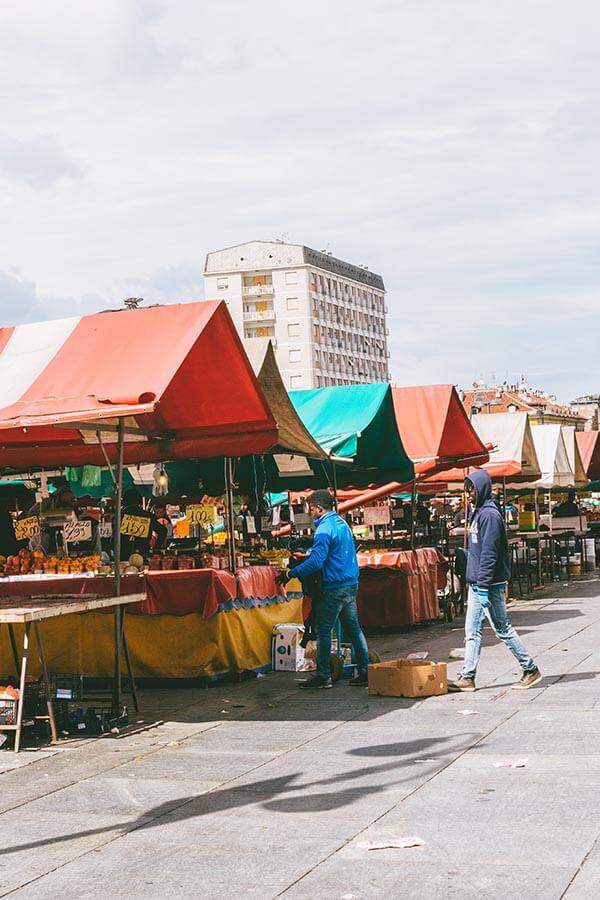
[504,500]
[412,512]
[117,556]
[230,513]
[539,542]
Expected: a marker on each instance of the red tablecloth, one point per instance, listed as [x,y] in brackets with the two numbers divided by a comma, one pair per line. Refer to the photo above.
[399,588]
[174,593]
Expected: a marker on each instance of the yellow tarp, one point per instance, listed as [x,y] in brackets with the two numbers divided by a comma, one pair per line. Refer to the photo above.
[160,646]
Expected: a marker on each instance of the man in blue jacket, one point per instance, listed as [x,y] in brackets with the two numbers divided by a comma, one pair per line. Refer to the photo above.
[488,573]
[333,554]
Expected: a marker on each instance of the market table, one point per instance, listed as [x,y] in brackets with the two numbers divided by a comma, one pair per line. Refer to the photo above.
[187,624]
[32,610]
[399,587]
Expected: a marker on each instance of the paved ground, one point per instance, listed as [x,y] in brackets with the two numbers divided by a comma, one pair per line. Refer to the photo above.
[258,790]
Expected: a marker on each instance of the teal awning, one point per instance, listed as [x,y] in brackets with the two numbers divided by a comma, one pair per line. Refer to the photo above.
[357,423]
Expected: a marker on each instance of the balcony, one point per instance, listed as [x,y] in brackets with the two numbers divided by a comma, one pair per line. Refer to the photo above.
[257,290]
[259,315]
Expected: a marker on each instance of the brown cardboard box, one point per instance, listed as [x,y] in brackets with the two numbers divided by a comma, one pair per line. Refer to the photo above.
[408,678]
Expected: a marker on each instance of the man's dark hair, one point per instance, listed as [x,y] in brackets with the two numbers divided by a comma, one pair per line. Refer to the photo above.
[322,498]
[132,497]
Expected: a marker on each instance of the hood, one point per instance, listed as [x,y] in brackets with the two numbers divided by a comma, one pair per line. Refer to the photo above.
[482,483]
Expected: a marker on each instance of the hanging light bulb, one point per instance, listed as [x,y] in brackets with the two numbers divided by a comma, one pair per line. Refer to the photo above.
[161,481]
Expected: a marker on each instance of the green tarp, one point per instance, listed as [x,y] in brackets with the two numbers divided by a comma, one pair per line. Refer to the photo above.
[357,423]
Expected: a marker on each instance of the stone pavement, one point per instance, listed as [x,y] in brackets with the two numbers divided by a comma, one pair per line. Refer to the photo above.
[259,790]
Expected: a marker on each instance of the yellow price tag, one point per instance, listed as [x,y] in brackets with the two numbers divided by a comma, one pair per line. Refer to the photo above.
[27,528]
[204,514]
[135,526]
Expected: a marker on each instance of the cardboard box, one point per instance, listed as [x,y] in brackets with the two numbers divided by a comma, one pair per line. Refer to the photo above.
[408,678]
[288,655]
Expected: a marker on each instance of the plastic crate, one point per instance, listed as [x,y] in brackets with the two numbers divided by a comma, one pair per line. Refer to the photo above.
[8,712]
[65,686]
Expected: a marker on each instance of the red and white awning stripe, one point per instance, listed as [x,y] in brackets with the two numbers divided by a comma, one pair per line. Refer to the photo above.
[177,374]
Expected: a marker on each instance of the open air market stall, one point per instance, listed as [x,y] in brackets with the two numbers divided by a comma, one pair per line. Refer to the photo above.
[102,390]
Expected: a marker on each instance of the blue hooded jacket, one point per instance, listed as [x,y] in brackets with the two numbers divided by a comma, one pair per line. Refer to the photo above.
[488,560]
[333,552]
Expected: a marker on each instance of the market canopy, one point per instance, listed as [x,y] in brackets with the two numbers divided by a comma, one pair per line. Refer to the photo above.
[575,461]
[294,438]
[356,424]
[589,448]
[553,458]
[513,455]
[435,429]
[177,375]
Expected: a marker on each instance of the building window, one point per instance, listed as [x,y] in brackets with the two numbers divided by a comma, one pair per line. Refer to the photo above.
[296,381]
[294,329]
[293,303]
[295,356]
[222,284]
[291,278]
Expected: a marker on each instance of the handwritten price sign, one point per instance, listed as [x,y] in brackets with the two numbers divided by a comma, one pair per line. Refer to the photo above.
[135,526]
[27,528]
[77,531]
[203,514]
[105,530]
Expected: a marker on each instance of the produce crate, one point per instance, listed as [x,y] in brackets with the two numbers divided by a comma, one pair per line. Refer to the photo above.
[8,712]
[65,686]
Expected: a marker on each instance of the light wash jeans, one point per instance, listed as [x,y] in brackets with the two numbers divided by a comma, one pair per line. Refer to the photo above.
[498,619]
[339,602]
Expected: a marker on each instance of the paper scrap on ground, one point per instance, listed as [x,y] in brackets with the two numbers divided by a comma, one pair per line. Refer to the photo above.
[457,653]
[468,712]
[421,654]
[401,843]
[511,764]
[424,760]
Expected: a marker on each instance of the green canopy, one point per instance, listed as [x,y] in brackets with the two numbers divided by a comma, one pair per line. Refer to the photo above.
[357,423]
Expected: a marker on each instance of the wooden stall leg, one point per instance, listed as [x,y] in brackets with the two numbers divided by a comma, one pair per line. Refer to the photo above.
[21,701]
[13,644]
[47,691]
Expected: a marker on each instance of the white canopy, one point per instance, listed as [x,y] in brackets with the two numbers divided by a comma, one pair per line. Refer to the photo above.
[575,461]
[553,458]
[514,455]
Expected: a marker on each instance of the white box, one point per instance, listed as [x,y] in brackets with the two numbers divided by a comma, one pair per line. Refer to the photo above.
[287,653]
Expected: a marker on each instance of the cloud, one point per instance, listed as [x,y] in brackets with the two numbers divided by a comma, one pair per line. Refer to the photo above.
[38,161]
[20,303]
[451,146]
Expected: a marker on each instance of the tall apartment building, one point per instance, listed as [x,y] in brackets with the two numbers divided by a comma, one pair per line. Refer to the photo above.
[326,317]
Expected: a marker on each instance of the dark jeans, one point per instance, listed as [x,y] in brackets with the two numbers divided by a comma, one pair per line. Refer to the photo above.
[339,602]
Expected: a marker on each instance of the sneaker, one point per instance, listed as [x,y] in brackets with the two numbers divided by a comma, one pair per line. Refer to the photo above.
[528,679]
[316,683]
[361,679]
[462,684]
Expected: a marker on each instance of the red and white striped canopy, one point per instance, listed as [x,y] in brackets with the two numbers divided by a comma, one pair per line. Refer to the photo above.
[178,375]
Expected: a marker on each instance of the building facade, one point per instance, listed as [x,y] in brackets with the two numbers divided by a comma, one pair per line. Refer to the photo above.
[325,317]
[541,407]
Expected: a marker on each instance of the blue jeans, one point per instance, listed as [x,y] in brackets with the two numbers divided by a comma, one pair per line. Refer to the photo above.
[339,602]
[498,619]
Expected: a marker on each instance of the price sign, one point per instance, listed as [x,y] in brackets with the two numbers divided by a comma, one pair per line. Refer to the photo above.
[27,528]
[135,526]
[203,514]
[105,530]
[77,531]
[377,515]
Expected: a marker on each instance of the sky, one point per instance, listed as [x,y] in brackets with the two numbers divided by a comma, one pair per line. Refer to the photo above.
[452,146]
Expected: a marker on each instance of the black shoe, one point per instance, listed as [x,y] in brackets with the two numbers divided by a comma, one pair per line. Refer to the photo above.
[316,683]
[361,679]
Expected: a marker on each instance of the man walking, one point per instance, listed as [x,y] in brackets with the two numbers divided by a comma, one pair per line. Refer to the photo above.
[334,554]
[488,572]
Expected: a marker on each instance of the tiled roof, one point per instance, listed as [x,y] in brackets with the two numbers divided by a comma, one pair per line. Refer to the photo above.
[530,403]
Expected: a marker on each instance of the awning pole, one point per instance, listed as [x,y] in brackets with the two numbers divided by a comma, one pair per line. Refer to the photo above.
[230,513]
[466,509]
[412,514]
[117,558]
[504,500]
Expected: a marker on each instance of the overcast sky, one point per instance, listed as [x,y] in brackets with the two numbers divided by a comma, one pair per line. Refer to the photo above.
[451,145]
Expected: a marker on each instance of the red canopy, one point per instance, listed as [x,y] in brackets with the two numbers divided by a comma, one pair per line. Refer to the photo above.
[435,429]
[177,374]
[589,448]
